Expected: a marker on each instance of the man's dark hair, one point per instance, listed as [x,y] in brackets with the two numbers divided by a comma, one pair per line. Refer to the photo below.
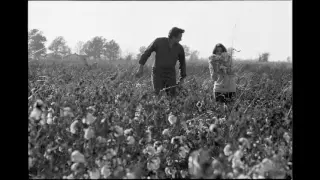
[174,32]
[221,46]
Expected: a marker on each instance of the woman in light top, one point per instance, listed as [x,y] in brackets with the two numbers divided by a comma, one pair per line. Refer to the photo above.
[220,66]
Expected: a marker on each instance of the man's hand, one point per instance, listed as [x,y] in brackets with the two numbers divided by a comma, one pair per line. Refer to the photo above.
[139,73]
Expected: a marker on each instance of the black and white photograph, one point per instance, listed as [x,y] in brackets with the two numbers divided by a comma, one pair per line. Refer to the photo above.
[160,89]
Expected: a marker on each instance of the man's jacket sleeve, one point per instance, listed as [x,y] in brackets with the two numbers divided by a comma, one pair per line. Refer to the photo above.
[152,47]
[182,61]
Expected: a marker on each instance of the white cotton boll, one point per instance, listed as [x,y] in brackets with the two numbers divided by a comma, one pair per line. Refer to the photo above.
[227,150]
[166,132]
[149,136]
[130,175]
[110,153]
[70,176]
[73,127]
[91,108]
[74,167]
[88,133]
[50,110]
[286,137]
[95,174]
[39,102]
[90,119]
[31,163]
[213,127]
[149,150]
[183,173]
[194,167]
[49,118]
[154,164]
[244,143]
[117,99]
[130,140]
[159,149]
[266,165]
[43,122]
[105,171]
[101,139]
[118,131]
[236,160]
[35,114]
[77,157]
[67,112]
[167,170]
[183,151]
[172,119]
[216,165]
[242,176]
[128,131]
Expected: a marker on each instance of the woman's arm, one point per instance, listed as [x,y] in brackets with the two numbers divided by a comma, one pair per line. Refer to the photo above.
[212,73]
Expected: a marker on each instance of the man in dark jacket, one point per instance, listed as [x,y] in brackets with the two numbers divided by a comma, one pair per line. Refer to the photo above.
[168,51]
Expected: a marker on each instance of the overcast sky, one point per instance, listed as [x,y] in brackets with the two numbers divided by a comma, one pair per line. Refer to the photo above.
[254,26]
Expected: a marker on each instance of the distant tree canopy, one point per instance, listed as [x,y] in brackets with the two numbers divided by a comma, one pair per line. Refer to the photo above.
[194,56]
[264,57]
[289,59]
[36,42]
[111,50]
[59,47]
[98,46]
[129,57]
[186,51]
[79,48]
[94,47]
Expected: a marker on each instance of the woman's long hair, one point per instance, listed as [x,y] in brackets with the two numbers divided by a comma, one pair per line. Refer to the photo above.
[224,49]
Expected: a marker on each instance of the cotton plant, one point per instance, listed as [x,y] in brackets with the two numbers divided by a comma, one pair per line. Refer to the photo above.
[94,174]
[37,111]
[66,112]
[172,119]
[118,131]
[153,164]
[163,150]
[73,127]
[88,133]
[105,171]
[89,119]
[77,157]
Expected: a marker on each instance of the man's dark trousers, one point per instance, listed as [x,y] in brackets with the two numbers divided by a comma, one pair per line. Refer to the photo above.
[164,78]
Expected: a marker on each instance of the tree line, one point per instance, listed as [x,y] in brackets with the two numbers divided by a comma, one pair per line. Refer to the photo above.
[98,48]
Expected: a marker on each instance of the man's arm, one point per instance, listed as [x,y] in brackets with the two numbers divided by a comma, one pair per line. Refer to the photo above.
[182,61]
[147,52]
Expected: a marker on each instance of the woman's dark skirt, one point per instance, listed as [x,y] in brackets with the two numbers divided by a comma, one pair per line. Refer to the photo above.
[227,97]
